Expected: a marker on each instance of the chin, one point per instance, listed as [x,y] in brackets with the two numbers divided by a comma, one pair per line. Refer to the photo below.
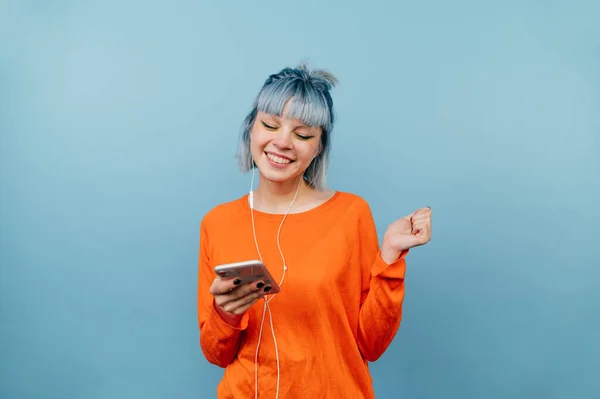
[275,176]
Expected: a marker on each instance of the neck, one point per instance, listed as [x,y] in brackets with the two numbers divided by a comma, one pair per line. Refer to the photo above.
[272,197]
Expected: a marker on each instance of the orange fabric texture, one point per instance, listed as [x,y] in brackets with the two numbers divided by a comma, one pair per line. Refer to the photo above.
[339,308]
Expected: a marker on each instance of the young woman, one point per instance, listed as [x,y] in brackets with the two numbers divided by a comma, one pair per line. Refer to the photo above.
[340,303]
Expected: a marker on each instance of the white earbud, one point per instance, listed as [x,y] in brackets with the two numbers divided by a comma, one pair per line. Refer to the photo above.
[251,193]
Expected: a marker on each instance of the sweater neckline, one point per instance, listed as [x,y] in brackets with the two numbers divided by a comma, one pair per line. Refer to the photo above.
[309,213]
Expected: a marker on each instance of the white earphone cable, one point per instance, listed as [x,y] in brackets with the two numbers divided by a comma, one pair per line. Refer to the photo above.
[266,303]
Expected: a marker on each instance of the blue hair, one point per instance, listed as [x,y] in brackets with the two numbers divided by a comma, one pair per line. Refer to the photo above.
[311,104]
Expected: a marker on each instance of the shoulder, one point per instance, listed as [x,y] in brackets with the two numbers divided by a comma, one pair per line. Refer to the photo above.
[223,213]
[352,208]
[357,221]
[354,204]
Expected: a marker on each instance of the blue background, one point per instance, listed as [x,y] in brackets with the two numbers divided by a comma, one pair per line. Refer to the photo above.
[119,123]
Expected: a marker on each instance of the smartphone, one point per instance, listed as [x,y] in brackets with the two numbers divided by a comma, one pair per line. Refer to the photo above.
[248,271]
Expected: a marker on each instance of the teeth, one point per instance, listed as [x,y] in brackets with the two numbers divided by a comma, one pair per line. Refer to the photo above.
[282,161]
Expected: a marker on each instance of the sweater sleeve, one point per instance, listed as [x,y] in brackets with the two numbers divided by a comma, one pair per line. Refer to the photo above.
[219,340]
[382,293]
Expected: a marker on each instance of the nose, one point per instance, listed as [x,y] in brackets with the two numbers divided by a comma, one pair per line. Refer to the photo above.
[283,140]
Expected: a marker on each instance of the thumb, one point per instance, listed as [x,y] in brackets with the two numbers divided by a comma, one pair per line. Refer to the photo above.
[412,240]
[420,236]
[413,229]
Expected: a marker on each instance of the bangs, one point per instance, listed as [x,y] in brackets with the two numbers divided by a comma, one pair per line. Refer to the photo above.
[308,104]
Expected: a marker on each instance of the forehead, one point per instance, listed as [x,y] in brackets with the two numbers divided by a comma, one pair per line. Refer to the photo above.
[285,117]
[292,123]
[295,100]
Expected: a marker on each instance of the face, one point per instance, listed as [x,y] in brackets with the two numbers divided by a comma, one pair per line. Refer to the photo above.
[283,148]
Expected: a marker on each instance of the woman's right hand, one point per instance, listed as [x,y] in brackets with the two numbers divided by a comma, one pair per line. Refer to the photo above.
[232,299]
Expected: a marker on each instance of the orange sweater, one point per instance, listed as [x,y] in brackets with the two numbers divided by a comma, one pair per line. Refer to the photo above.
[339,308]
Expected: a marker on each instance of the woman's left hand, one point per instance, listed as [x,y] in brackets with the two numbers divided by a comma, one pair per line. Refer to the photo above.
[405,233]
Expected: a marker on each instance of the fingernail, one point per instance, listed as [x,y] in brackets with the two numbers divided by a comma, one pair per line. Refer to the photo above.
[237,281]
[267,289]
[260,285]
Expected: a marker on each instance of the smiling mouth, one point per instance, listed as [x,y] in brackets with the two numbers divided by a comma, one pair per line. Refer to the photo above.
[278,160]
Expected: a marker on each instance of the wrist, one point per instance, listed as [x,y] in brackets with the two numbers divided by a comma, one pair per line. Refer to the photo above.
[387,253]
[229,318]
[390,256]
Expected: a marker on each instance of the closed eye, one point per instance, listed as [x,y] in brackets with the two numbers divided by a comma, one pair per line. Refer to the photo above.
[302,137]
[269,127]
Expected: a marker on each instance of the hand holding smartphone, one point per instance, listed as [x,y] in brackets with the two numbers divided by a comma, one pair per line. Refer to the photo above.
[248,272]
[240,285]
